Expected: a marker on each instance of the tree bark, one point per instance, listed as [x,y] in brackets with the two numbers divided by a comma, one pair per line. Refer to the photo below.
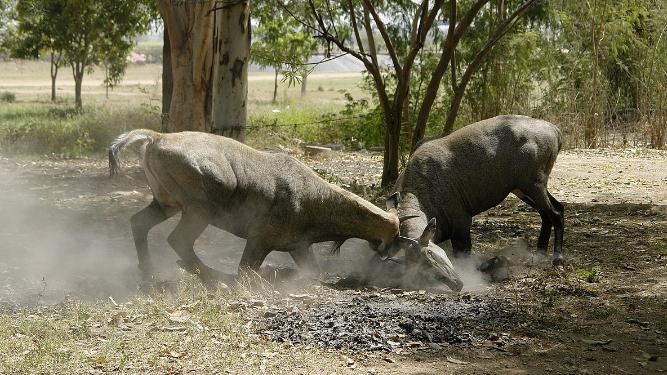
[391,152]
[304,82]
[230,69]
[455,32]
[275,87]
[189,25]
[167,81]
[54,75]
[77,73]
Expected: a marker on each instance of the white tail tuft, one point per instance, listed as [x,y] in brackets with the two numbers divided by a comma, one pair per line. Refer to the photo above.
[125,139]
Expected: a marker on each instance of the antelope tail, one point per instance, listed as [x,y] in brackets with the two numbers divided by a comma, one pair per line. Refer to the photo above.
[140,135]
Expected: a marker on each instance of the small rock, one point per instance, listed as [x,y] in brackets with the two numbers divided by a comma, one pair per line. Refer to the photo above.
[316,151]
[595,342]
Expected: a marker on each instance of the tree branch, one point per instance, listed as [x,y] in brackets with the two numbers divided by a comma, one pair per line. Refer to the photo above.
[438,73]
[371,40]
[501,30]
[355,27]
[385,36]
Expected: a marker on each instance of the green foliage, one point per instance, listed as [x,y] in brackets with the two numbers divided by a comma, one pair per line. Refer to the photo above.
[7,29]
[591,275]
[86,33]
[281,43]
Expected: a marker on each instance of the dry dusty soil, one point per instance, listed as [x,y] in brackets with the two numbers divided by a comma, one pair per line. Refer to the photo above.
[64,233]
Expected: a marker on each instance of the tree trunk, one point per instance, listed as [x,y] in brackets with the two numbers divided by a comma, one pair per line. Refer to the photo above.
[106,76]
[230,70]
[391,152]
[189,25]
[54,75]
[304,81]
[449,47]
[77,73]
[167,81]
[275,87]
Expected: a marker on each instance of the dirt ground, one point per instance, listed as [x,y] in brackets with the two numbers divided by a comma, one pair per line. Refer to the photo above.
[64,233]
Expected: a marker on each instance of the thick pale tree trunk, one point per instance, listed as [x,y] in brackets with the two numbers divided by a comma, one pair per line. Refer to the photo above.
[190,28]
[230,69]
[304,83]
[167,80]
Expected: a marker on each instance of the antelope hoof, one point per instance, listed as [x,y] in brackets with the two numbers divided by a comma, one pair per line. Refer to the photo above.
[148,274]
[558,262]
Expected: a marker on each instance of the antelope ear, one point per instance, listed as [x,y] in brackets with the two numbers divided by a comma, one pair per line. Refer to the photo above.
[392,201]
[429,232]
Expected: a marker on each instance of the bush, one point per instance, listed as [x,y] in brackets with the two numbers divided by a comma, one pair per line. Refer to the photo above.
[8,97]
[64,132]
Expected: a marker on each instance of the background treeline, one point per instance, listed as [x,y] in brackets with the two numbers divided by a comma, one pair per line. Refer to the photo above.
[596,68]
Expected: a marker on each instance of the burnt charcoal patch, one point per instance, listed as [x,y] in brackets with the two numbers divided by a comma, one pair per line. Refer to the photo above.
[384,324]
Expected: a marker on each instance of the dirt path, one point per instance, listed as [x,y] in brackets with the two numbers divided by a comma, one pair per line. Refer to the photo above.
[64,231]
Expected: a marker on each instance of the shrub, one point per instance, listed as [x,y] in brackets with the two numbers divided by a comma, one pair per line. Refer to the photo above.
[8,97]
[64,132]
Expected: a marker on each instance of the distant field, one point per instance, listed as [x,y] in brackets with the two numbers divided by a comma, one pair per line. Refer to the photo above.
[33,124]
[30,81]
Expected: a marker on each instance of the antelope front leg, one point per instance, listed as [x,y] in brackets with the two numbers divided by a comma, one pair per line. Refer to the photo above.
[253,256]
[142,222]
[305,259]
[182,239]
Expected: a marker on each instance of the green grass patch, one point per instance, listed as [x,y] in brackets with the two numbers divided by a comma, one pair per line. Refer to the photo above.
[58,130]
[660,246]
[591,275]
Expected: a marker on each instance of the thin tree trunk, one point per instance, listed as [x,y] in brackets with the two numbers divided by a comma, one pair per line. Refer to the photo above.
[590,131]
[391,153]
[304,82]
[189,25]
[78,104]
[106,75]
[275,87]
[230,70]
[54,75]
[434,84]
[167,81]
[77,73]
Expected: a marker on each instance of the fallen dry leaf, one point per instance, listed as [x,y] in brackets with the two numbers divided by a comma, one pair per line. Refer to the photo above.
[180,316]
[456,361]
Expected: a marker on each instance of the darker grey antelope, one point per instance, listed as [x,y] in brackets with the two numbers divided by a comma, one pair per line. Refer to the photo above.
[475,168]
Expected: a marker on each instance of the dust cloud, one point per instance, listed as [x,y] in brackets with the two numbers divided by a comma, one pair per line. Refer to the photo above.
[74,239]
[55,245]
